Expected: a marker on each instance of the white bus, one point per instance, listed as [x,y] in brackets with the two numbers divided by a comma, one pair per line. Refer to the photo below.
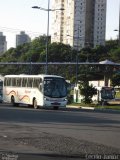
[36,90]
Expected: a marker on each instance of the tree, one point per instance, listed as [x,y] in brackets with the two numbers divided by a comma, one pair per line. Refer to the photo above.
[116,80]
[115,55]
[87,92]
[59,52]
[35,51]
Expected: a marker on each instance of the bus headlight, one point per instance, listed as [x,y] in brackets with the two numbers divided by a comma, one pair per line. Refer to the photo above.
[46,99]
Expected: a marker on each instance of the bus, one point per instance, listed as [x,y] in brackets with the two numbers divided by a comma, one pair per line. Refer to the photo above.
[103,96]
[35,90]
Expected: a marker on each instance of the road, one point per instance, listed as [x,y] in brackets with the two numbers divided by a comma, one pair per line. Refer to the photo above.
[64,132]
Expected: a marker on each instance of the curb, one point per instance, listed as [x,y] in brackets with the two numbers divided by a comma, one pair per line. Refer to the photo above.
[81,107]
[91,108]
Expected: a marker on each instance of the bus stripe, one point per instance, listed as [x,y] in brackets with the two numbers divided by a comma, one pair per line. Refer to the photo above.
[26,98]
[12,92]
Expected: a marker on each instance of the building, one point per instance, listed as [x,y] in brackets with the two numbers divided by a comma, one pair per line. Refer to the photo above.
[82,23]
[3,43]
[22,38]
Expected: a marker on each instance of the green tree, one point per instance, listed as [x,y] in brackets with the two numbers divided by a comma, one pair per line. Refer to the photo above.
[116,80]
[87,91]
[35,51]
[115,54]
[59,52]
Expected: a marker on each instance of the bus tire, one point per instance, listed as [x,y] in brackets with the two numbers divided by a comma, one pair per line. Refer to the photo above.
[35,103]
[13,101]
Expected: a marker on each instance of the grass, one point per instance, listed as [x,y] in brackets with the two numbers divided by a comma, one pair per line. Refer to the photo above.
[115,106]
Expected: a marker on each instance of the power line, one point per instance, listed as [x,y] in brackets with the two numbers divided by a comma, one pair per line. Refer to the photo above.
[14,30]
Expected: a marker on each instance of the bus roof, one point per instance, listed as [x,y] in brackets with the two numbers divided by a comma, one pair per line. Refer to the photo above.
[39,76]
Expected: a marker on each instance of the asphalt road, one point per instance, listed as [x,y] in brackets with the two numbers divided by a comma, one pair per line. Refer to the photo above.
[68,132]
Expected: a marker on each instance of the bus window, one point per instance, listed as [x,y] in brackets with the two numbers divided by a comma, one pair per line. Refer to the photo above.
[1,89]
[37,82]
[24,82]
[30,82]
[18,82]
[1,84]
[5,82]
[13,82]
[9,82]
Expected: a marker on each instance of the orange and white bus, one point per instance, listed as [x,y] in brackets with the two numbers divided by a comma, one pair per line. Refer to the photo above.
[36,90]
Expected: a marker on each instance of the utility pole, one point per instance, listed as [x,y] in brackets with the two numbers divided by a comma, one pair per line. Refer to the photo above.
[119,23]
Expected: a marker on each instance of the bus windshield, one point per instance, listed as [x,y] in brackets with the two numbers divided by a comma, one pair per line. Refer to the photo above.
[55,87]
[107,93]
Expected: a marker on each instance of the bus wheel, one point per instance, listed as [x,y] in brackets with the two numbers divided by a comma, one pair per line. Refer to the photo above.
[13,100]
[35,104]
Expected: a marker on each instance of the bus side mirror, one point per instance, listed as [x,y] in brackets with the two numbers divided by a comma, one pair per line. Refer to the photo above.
[68,86]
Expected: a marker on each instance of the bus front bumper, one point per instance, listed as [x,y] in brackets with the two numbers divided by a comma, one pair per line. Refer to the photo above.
[57,103]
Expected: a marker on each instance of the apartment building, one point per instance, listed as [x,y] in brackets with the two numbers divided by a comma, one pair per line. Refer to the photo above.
[22,38]
[3,43]
[82,23]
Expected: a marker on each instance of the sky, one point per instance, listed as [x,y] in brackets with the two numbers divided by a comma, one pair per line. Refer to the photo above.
[17,15]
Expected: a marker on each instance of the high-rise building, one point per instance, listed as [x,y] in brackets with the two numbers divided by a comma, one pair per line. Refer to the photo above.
[22,38]
[82,22]
[3,43]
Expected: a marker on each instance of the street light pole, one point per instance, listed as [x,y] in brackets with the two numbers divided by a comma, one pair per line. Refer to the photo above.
[119,23]
[46,70]
[78,50]
[77,57]
[118,30]
[47,36]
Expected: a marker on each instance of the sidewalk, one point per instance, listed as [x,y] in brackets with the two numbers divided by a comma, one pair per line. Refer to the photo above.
[80,107]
